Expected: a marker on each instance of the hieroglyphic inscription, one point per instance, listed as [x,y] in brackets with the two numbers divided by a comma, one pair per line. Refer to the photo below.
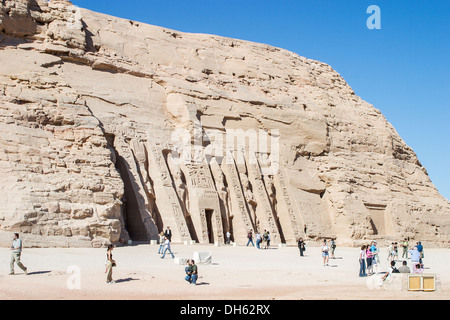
[255,172]
[236,188]
[161,165]
[200,176]
[285,194]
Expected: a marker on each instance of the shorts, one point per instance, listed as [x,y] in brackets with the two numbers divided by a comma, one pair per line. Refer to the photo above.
[324,254]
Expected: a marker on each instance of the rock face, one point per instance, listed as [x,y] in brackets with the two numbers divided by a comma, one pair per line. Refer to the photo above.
[112,130]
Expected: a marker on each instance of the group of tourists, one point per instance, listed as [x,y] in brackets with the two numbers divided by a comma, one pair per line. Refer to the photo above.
[262,241]
[369,255]
[326,251]
[164,245]
[369,259]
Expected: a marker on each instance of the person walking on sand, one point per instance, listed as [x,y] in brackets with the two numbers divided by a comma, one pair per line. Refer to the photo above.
[250,238]
[167,247]
[110,263]
[333,248]
[301,246]
[16,252]
[258,240]
[325,254]
[161,242]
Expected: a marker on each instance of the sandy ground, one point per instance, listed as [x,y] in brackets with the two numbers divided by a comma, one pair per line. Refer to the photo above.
[243,273]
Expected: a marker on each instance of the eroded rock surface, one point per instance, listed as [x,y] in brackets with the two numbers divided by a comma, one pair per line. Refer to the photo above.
[93,110]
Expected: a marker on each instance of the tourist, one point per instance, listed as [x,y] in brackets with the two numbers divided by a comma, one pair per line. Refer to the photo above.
[301,246]
[188,271]
[228,237]
[404,268]
[362,261]
[161,242]
[395,257]
[191,272]
[16,252]
[420,248]
[168,234]
[415,255]
[250,238]
[391,252]
[374,253]
[392,269]
[265,238]
[405,246]
[258,239]
[333,248]
[167,247]
[110,263]
[268,239]
[417,268]
[369,260]
[325,254]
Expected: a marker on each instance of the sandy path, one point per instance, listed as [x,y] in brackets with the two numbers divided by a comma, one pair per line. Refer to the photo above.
[236,273]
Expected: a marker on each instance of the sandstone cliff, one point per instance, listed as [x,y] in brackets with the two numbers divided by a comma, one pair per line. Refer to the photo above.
[97,116]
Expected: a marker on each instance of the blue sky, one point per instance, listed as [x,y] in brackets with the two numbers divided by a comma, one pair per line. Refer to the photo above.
[403,69]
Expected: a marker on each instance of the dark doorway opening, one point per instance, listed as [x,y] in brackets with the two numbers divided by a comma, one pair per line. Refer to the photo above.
[131,214]
[208,214]
[130,205]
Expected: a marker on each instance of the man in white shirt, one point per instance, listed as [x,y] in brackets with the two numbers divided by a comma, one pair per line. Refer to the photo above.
[228,237]
[167,247]
[16,251]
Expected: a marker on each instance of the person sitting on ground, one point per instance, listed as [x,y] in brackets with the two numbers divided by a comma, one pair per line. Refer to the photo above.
[191,272]
[404,268]
[392,270]
[417,268]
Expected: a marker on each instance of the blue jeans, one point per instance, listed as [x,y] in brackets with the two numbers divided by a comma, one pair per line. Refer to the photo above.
[362,268]
[161,247]
[191,278]
[250,240]
[164,253]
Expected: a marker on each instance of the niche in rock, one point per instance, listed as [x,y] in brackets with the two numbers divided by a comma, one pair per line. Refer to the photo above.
[130,206]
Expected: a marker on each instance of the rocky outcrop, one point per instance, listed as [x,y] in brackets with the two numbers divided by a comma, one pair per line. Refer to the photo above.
[112,130]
